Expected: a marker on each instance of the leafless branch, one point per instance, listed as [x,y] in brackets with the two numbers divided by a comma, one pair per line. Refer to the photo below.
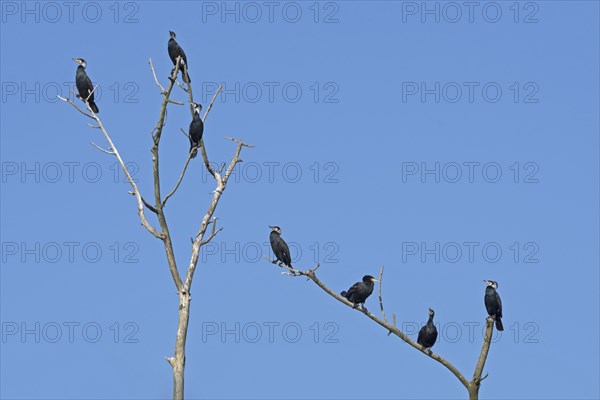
[212,101]
[186,135]
[87,99]
[110,152]
[187,162]
[379,292]
[162,89]
[115,152]
[221,185]
[313,277]
[148,205]
[212,235]
[485,348]
[76,107]
[182,88]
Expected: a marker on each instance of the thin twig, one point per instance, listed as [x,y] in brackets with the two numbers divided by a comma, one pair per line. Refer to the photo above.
[148,205]
[76,107]
[212,101]
[212,235]
[110,152]
[380,297]
[162,89]
[187,162]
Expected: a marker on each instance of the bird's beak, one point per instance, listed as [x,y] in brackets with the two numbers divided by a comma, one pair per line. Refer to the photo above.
[74,59]
[375,280]
[485,281]
[270,227]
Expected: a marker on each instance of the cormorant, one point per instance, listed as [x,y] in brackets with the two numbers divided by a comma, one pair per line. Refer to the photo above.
[428,333]
[493,304]
[84,85]
[280,247]
[196,130]
[359,292]
[175,51]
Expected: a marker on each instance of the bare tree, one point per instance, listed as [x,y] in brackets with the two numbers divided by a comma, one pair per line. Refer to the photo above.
[472,386]
[221,177]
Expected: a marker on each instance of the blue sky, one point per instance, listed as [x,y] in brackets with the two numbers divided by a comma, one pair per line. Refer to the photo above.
[449,144]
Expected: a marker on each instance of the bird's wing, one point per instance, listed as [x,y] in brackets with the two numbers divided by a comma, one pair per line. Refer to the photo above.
[353,289]
[88,81]
[183,56]
[499,313]
[421,334]
[286,249]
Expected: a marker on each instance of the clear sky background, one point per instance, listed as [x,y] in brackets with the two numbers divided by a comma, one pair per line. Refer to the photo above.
[365,100]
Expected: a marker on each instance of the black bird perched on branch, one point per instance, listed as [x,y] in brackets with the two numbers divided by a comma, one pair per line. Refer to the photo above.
[280,247]
[493,304]
[175,51]
[428,333]
[196,130]
[84,85]
[359,292]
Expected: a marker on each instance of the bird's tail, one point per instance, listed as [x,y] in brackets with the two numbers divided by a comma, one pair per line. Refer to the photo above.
[344,294]
[186,76]
[499,325]
[94,107]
